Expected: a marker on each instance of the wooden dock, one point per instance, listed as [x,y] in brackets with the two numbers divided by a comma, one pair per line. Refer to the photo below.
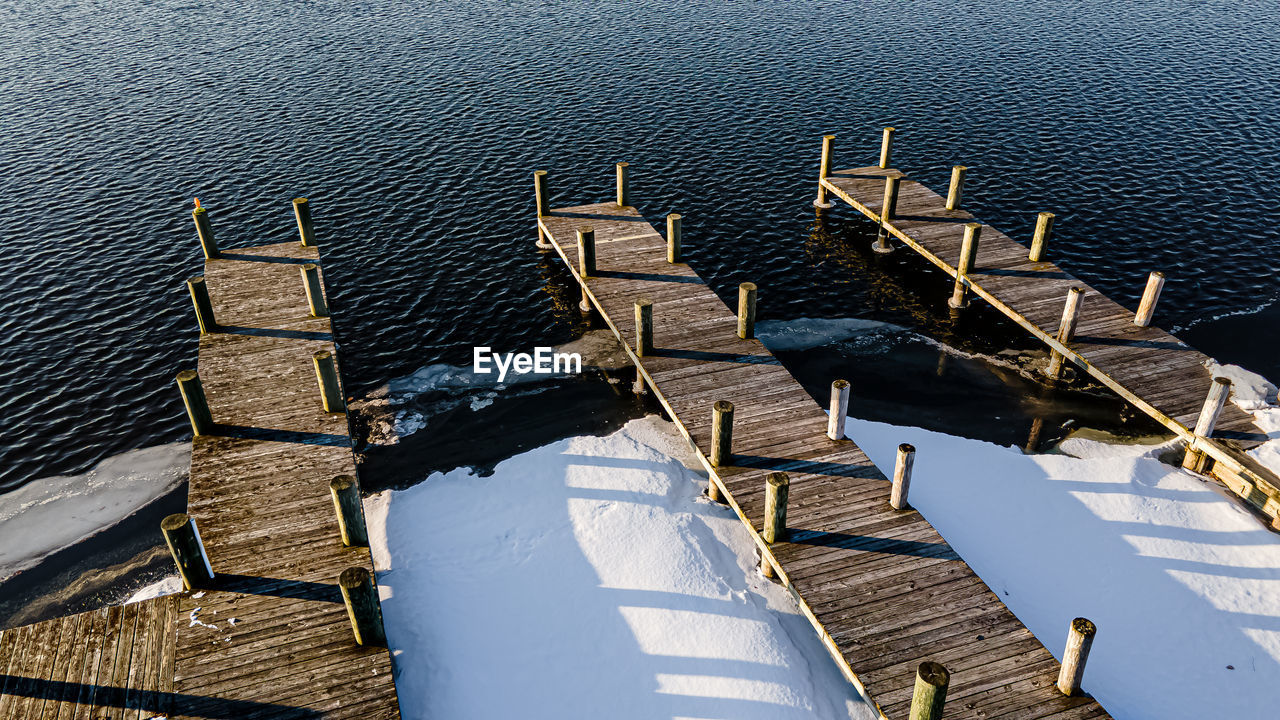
[1151,369]
[271,638]
[884,591]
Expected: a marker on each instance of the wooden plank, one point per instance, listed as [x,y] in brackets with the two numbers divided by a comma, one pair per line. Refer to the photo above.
[871,577]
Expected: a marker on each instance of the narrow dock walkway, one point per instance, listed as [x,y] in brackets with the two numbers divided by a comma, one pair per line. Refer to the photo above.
[1151,369]
[273,638]
[884,591]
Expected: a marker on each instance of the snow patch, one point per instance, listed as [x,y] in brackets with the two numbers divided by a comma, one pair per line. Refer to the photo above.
[588,578]
[1183,584]
[1249,390]
[171,585]
[47,515]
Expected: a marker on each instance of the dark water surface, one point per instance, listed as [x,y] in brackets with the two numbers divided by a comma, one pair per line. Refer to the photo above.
[1148,127]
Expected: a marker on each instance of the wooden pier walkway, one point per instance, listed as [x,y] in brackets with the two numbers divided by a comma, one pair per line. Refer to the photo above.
[1153,370]
[271,638]
[884,591]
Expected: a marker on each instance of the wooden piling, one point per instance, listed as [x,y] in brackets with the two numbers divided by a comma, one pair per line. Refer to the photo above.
[1079,640]
[1066,331]
[824,169]
[902,476]
[543,208]
[673,238]
[644,327]
[747,310]
[839,409]
[777,488]
[1219,391]
[968,254]
[586,252]
[183,538]
[302,211]
[327,377]
[957,187]
[721,432]
[886,147]
[204,306]
[1150,296]
[624,185]
[197,404]
[361,598]
[205,231]
[1044,228]
[887,209]
[930,692]
[350,512]
[315,294]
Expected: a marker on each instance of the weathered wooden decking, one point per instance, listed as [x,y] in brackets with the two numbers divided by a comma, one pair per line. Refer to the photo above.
[884,590]
[1155,371]
[273,640]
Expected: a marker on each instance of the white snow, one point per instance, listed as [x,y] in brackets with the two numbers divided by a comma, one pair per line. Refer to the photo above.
[1183,584]
[1249,390]
[44,516]
[171,585]
[587,578]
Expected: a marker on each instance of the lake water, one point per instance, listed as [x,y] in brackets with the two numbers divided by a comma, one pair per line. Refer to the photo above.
[1149,128]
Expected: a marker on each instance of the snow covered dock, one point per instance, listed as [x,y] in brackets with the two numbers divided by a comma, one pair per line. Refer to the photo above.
[1153,370]
[884,591]
[271,636]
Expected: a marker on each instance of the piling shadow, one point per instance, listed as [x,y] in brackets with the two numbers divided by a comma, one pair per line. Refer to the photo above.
[248,257]
[864,543]
[245,432]
[1044,274]
[716,356]
[1158,344]
[278,587]
[653,277]
[269,332]
[776,464]
[598,216]
[150,701]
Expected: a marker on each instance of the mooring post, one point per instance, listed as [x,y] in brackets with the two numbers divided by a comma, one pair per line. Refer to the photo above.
[673,238]
[886,147]
[747,310]
[930,692]
[721,441]
[776,489]
[586,263]
[302,211]
[1066,330]
[205,231]
[644,327]
[1151,295]
[624,185]
[1044,228]
[315,294]
[346,503]
[183,539]
[1219,390]
[968,253]
[902,476]
[204,306]
[824,169]
[887,210]
[839,409]
[361,598]
[197,404]
[957,187]
[327,376]
[540,198]
[1079,640]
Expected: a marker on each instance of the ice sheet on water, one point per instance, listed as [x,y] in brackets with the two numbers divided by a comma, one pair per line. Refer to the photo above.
[47,515]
